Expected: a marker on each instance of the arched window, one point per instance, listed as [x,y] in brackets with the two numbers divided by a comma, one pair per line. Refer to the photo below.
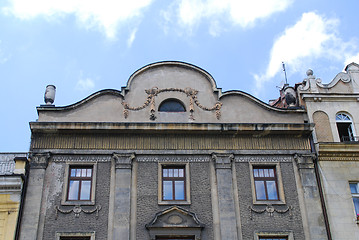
[345,127]
[171,105]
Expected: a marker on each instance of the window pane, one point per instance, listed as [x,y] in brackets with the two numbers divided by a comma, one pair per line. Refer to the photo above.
[167,190]
[179,190]
[260,171]
[353,187]
[356,204]
[255,171]
[165,172]
[83,172]
[89,172]
[175,172]
[272,190]
[271,172]
[266,173]
[85,190]
[73,172]
[170,172]
[78,172]
[181,173]
[260,190]
[73,190]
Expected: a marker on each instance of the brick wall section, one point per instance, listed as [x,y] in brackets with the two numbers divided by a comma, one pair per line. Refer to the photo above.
[263,222]
[147,204]
[85,222]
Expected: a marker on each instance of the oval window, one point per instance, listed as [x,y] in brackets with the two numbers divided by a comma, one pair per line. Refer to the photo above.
[171,105]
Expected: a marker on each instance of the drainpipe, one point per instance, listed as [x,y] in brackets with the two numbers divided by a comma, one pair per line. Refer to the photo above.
[24,178]
[321,194]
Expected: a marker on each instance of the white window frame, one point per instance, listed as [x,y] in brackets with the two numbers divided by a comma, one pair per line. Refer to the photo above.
[64,200]
[188,190]
[352,135]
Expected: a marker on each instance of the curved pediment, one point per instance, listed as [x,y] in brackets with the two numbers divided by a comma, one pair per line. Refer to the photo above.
[184,83]
[177,221]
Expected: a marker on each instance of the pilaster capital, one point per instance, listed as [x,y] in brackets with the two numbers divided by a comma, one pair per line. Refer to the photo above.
[305,160]
[39,160]
[223,160]
[123,160]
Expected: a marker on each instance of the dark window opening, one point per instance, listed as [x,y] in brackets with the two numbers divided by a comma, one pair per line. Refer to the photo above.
[171,105]
[345,128]
[176,238]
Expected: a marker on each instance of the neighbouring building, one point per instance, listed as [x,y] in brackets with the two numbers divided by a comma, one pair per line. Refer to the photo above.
[334,108]
[12,178]
[171,156]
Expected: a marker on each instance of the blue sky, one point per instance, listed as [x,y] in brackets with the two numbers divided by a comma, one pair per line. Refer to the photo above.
[83,46]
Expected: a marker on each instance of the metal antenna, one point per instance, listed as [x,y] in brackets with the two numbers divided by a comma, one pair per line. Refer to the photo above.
[285,73]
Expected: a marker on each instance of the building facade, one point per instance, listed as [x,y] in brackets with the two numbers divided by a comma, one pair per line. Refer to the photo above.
[171,156]
[333,107]
[12,178]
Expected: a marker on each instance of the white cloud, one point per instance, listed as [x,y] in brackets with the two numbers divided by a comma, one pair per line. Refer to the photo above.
[131,38]
[105,15]
[312,37]
[85,84]
[352,58]
[238,12]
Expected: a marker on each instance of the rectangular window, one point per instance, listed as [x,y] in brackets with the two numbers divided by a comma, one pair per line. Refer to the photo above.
[265,182]
[354,189]
[173,183]
[79,184]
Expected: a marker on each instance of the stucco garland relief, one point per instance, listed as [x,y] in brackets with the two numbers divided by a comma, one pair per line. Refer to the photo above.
[270,210]
[153,92]
[77,210]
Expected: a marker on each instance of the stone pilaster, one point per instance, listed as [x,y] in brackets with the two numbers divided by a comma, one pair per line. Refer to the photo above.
[226,201]
[122,197]
[309,197]
[31,222]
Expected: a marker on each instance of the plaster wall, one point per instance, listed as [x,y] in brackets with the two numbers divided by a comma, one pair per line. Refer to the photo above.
[331,108]
[336,176]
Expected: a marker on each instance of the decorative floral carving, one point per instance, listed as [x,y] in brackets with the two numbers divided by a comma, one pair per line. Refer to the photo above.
[270,210]
[77,210]
[153,92]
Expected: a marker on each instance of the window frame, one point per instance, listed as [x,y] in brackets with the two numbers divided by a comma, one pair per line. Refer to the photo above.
[258,235]
[355,195]
[66,184]
[175,100]
[349,121]
[187,191]
[279,183]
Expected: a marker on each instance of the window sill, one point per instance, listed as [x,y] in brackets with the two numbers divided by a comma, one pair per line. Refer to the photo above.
[174,203]
[279,202]
[77,203]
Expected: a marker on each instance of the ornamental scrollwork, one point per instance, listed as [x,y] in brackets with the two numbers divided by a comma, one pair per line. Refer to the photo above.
[77,210]
[270,210]
[153,92]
